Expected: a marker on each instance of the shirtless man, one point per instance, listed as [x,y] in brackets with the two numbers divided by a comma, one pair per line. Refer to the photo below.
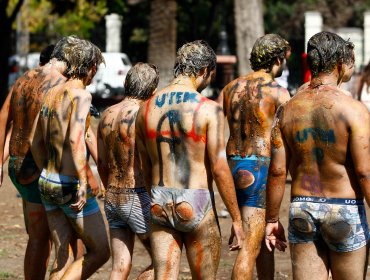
[250,103]
[322,136]
[127,203]
[59,147]
[180,137]
[20,109]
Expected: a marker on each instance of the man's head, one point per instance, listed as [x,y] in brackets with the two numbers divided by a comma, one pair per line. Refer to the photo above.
[45,54]
[267,51]
[195,59]
[81,56]
[141,81]
[326,50]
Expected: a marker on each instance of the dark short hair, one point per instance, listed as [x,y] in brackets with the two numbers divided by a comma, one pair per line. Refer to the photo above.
[325,50]
[141,81]
[266,50]
[194,56]
[79,55]
[45,54]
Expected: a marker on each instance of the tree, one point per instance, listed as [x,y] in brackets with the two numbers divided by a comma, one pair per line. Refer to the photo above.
[6,21]
[162,37]
[248,27]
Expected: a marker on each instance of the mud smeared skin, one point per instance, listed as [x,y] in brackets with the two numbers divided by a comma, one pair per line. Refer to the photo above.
[180,137]
[59,147]
[325,146]
[250,103]
[121,171]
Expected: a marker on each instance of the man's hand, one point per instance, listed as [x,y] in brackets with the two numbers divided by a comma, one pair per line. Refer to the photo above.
[236,231]
[80,201]
[275,236]
[93,183]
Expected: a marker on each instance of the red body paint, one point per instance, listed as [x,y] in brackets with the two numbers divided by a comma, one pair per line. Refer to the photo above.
[152,134]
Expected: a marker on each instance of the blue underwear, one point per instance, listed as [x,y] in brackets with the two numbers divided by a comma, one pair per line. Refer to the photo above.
[29,192]
[59,191]
[250,178]
[180,209]
[339,222]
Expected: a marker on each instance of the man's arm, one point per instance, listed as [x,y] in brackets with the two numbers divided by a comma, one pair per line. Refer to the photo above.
[5,118]
[91,144]
[102,161]
[80,109]
[37,144]
[221,171]
[146,164]
[276,184]
[359,141]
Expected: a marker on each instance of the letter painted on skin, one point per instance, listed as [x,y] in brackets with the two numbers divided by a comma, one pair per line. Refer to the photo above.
[177,97]
[326,136]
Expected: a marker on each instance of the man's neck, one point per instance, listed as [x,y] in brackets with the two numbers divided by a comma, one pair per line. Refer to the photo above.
[265,73]
[324,79]
[58,65]
[186,81]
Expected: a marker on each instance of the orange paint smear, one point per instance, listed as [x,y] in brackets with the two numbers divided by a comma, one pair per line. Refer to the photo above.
[199,249]
[172,247]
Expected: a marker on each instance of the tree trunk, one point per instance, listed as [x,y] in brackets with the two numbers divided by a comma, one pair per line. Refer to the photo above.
[162,38]
[249,27]
[5,46]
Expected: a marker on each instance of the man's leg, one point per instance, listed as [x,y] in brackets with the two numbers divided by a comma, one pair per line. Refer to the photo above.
[166,247]
[349,265]
[148,272]
[203,248]
[38,249]
[254,228]
[122,245]
[310,261]
[91,229]
[61,232]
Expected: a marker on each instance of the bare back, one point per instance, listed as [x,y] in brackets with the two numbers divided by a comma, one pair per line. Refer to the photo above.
[27,94]
[176,124]
[63,112]
[250,103]
[317,127]
[117,131]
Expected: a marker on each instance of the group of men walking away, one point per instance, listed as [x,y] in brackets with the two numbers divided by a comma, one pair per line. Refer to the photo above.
[158,152]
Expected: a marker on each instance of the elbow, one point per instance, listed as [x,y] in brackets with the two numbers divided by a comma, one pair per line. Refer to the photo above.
[363,174]
[277,171]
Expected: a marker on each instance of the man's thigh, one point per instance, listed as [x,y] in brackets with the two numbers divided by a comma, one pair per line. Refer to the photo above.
[203,247]
[122,245]
[349,265]
[166,250]
[35,219]
[309,260]
[91,229]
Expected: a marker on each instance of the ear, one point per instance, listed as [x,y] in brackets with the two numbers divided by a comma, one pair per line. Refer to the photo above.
[203,71]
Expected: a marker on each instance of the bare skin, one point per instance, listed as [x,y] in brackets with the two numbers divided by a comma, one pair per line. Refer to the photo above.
[120,167]
[190,155]
[250,103]
[334,167]
[21,107]
[60,139]
[20,110]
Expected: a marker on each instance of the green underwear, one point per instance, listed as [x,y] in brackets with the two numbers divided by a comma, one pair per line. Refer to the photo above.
[29,192]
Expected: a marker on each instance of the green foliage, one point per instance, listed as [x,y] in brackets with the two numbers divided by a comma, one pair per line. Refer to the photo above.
[81,20]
